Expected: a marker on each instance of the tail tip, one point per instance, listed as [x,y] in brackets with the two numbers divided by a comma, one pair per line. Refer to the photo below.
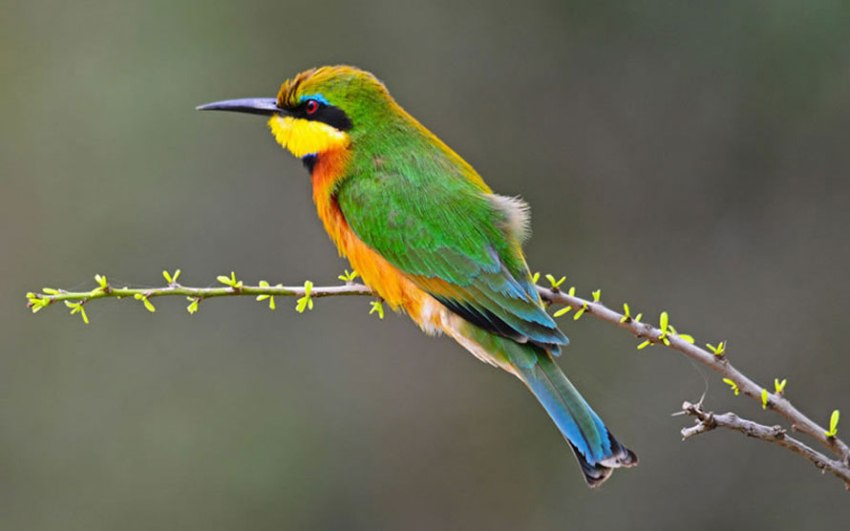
[624,458]
[596,474]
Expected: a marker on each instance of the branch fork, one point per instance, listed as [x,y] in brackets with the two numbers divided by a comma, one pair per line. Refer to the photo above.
[706,421]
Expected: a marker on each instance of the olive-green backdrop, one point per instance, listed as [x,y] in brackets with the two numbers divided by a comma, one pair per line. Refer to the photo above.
[692,157]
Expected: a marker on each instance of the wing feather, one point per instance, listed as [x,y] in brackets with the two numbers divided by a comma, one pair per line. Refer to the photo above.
[459,243]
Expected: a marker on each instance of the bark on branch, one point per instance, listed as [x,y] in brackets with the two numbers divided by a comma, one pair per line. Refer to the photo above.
[707,421]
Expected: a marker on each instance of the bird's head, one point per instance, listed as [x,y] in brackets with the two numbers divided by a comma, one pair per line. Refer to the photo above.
[319,109]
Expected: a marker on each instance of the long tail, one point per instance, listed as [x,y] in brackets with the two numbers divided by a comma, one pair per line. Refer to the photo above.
[596,449]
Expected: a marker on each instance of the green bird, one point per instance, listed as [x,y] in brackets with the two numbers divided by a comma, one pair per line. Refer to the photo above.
[430,237]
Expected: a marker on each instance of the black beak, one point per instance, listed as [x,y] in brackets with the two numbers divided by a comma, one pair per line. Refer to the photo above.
[261,106]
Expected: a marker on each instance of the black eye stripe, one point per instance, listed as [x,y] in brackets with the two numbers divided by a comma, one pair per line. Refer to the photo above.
[333,116]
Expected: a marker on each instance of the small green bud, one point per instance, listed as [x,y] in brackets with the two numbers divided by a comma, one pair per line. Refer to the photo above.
[718,350]
[733,385]
[555,284]
[348,277]
[833,424]
[305,302]
[563,311]
[377,307]
[627,316]
[664,321]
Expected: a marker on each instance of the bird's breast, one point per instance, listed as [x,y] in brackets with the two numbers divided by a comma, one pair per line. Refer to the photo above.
[394,286]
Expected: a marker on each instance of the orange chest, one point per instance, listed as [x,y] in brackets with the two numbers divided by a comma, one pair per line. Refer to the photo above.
[390,283]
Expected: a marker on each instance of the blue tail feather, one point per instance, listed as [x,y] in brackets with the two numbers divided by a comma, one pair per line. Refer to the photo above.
[596,449]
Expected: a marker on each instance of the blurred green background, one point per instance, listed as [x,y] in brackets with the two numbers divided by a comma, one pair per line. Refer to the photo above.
[683,156]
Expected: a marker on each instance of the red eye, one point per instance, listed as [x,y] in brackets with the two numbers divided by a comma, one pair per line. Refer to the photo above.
[311,106]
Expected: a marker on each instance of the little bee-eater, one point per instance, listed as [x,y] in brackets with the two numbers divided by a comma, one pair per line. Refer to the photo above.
[429,236]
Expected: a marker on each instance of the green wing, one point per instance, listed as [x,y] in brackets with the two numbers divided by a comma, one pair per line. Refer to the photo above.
[432,222]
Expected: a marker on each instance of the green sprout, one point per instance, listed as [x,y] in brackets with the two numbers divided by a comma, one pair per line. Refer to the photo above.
[733,385]
[765,398]
[102,284]
[664,321]
[77,307]
[230,281]
[580,312]
[833,424]
[627,315]
[264,284]
[572,293]
[535,277]
[563,311]
[144,298]
[347,277]
[377,307]
[555,284]
[171,278]
[663,325]
[779,386]
[718,350]
[193,305]
[597,295]
[305,302]
[687,338]
[36,302]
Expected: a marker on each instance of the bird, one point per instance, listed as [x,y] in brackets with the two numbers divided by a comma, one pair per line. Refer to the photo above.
[427,234]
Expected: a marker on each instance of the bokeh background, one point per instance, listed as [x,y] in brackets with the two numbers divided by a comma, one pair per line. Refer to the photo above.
[683,156]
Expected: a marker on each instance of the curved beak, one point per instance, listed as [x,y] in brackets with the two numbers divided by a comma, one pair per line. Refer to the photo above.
[261,106]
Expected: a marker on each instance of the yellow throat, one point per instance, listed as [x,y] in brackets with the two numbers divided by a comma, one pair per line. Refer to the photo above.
[306,137]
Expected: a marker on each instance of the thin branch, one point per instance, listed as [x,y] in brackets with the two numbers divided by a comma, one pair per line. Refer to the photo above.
[665,335]
[350,289]
[719,364]
[208,293]
[707,421]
